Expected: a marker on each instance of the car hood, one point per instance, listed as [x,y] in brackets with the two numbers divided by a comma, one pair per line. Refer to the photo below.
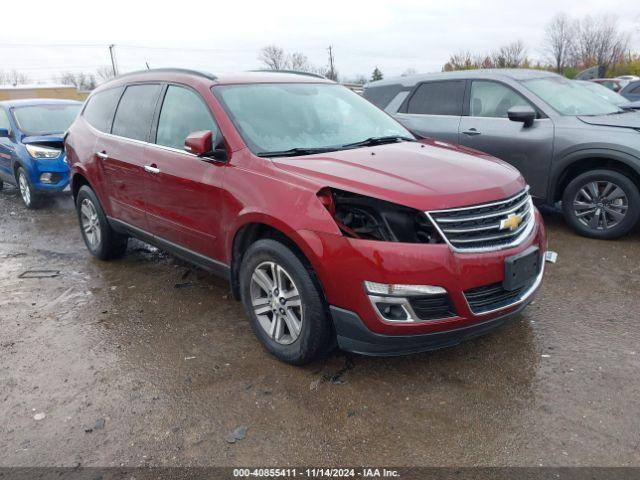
[55,140]
[426,175]
[623,120]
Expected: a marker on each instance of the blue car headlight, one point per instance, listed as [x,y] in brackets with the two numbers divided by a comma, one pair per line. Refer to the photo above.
[41,153]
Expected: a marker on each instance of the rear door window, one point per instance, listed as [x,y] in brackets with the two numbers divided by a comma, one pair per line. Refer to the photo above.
[101,107]
[183,112]
[135,112]
[492,99]
[438,98]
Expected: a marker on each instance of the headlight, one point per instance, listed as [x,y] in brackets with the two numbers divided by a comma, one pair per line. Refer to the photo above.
[359,216]
[43,152]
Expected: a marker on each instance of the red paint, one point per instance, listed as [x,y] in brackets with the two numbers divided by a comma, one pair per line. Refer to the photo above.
[201,206]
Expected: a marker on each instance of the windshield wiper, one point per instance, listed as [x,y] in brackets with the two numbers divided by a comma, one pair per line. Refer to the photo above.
[293,152]
[379,141]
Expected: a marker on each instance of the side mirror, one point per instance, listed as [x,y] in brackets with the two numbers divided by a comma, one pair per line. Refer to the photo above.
[201,144]
[522,113]
[4,132]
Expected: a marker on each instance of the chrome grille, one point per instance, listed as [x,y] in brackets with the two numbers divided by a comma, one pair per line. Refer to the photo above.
[482,227]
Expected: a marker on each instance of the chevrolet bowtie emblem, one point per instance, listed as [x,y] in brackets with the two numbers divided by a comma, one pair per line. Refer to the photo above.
[512,222]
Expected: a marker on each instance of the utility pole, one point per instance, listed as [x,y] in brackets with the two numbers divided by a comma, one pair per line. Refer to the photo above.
[332,71]
[113,59]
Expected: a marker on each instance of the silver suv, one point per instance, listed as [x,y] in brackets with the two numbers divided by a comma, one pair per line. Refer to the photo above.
[571,145]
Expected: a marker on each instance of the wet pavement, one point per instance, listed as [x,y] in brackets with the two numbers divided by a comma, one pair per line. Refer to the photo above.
[148,361]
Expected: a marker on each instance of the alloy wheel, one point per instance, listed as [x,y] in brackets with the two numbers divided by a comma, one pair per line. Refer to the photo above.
[600,205]
[25,189]
[90,223]
[276,302]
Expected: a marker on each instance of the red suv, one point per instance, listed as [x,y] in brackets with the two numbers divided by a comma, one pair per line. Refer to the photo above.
[330,220]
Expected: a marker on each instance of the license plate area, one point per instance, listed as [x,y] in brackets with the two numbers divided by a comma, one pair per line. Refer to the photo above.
[521,269]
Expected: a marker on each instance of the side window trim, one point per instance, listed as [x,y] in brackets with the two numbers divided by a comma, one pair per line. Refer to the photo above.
[539,113]
[404,108]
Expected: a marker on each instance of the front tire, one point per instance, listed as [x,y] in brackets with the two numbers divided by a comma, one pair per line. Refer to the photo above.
[285,307]
[101,240]
[602,204]
[29,197]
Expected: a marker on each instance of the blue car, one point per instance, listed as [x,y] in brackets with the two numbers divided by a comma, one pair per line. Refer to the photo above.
[32,146]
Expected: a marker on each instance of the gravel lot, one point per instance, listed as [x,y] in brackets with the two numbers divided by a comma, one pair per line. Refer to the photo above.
[147,361]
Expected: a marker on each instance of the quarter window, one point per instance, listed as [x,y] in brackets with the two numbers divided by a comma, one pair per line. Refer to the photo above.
[101,107]
[492,99]
[438,98]
[135,111]
[183,112]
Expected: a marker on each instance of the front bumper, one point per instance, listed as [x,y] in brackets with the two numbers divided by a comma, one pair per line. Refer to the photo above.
[57,168]
[343,264]
[354,336]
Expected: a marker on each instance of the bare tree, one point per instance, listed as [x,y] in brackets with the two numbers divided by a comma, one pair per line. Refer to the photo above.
[459,61]
[81,81]
[512,55]
[599,41]
[16,78]
[299,61]
[105,73]
[273,58]
[409,71]
[559,41]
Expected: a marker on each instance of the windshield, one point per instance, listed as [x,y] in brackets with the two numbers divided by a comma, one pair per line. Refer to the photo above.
[280,117]
[45,119]
[569,98]
[604,92]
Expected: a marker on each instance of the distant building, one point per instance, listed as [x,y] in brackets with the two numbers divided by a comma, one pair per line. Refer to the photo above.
[11,92]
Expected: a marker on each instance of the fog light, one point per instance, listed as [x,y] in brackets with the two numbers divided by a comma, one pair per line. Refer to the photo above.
[400,290]
[392,311]
[46,178]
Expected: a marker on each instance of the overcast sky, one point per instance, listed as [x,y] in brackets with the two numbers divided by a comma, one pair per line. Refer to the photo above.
[222,36]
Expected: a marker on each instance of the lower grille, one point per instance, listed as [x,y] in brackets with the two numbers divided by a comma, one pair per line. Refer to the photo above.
[492,297]
[432,307]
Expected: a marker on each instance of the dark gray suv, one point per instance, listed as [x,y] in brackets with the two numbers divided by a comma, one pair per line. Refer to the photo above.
[571,145]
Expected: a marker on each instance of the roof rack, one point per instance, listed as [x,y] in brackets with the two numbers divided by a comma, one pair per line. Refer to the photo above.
[295,72]
[171,70]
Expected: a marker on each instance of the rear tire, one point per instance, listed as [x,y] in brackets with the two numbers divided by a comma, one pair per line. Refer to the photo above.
[285,307]
[602,204]
[101,240]
[29,197]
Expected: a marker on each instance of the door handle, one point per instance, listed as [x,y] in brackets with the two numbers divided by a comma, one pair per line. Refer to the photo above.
[471,132]
[151,169]
[103,155]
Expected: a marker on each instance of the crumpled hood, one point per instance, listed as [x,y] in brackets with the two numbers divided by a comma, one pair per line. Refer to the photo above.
[426,175]
[55,140]
[622,120]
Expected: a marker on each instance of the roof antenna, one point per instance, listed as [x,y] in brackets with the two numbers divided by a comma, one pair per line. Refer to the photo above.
[147,64]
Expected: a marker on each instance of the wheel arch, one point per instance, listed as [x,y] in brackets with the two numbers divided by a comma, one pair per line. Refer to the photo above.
[257,229]
[584,161]
[77,181]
